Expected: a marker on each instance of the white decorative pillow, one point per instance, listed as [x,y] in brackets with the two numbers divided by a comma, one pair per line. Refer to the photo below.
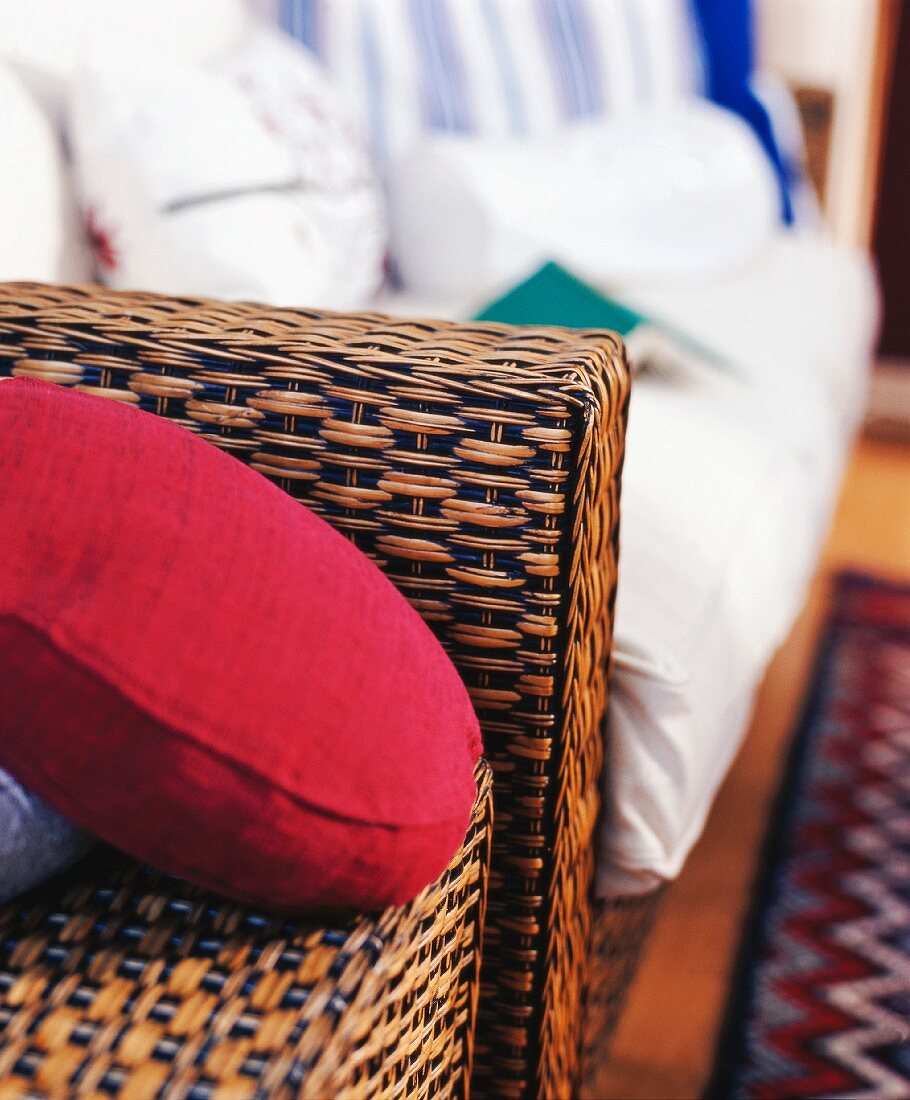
[31,186]
[240,181]
[44,41]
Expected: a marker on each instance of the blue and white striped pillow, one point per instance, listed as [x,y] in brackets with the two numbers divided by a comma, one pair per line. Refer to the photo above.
[497,67]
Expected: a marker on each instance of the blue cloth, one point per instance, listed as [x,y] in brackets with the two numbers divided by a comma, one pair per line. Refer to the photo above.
[728,31]
[35,842]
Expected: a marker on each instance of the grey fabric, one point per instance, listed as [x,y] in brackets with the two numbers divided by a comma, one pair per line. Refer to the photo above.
[35,842]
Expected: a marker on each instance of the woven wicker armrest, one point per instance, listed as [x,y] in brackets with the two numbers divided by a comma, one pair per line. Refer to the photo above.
[117,980]
[479,466]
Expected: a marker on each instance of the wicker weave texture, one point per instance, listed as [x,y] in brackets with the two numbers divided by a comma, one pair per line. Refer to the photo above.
[122,981]
[479,466]
[621,928]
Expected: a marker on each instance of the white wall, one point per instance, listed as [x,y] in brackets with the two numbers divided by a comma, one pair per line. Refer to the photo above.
[832,44]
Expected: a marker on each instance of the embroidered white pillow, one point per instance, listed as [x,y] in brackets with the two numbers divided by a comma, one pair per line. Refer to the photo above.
[238,181]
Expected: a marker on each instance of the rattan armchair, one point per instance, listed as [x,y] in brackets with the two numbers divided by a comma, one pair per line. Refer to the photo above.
[480,467]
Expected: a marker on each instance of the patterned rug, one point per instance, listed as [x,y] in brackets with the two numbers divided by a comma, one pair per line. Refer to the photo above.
[820,1005]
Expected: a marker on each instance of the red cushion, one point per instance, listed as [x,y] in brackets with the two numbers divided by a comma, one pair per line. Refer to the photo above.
[202,672]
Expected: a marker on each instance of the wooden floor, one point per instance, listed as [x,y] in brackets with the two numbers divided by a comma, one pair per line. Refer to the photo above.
[665,1043]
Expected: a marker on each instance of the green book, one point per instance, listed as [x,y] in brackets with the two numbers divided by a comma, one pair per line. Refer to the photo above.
[554,296]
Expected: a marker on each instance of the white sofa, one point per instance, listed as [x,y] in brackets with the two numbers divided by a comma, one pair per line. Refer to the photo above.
[728,489]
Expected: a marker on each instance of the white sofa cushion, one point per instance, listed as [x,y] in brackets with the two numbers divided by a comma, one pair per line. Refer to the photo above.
[728,491]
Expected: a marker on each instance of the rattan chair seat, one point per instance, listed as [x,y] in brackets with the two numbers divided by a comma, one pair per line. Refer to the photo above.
[116,980]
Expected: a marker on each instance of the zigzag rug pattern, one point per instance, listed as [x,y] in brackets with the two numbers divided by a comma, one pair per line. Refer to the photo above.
[820,1004]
